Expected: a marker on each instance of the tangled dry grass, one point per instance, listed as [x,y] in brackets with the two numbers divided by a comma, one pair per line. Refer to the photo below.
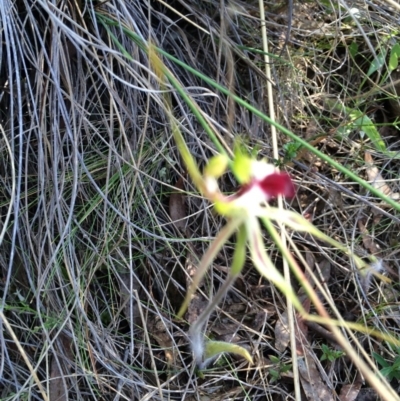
[101,228]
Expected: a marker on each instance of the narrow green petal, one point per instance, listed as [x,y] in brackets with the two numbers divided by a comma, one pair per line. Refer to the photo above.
[214,348]
[239,255]
[264,264]
[241,166]
[216,166]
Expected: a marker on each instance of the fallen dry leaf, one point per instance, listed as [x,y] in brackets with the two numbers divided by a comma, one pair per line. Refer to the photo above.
[349,392]
[324,270]
[367,394]
[177,206]
[282,335]
[259,320]
[58,389]
[376,179]
[127,285]
[162,334]
[335,198]
[310,259]
[197,305]
[311,380]
[301,327]
[223,328]
[368,242]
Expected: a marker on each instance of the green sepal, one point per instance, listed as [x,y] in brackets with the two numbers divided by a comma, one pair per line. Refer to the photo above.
[241,166]
[229,209]
[214,348]
[216,166]
[239,256]
[223,208]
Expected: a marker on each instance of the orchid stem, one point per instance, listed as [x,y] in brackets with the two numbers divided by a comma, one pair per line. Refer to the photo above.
[207,259]
[197,329]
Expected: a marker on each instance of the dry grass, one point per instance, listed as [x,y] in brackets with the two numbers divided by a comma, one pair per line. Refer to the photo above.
[93,270]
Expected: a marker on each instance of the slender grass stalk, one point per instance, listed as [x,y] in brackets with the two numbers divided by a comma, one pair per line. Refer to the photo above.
[275,148]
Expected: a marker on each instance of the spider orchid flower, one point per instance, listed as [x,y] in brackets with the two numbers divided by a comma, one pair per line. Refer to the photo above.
[260,182]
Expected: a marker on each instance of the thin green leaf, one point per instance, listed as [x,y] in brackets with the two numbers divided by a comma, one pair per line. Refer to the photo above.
[358,120]
[286,368]
[362,122]
[274,359]
[380,360]
[394,57]
[275,374]
[377,63]
[353,49]
[387,372]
